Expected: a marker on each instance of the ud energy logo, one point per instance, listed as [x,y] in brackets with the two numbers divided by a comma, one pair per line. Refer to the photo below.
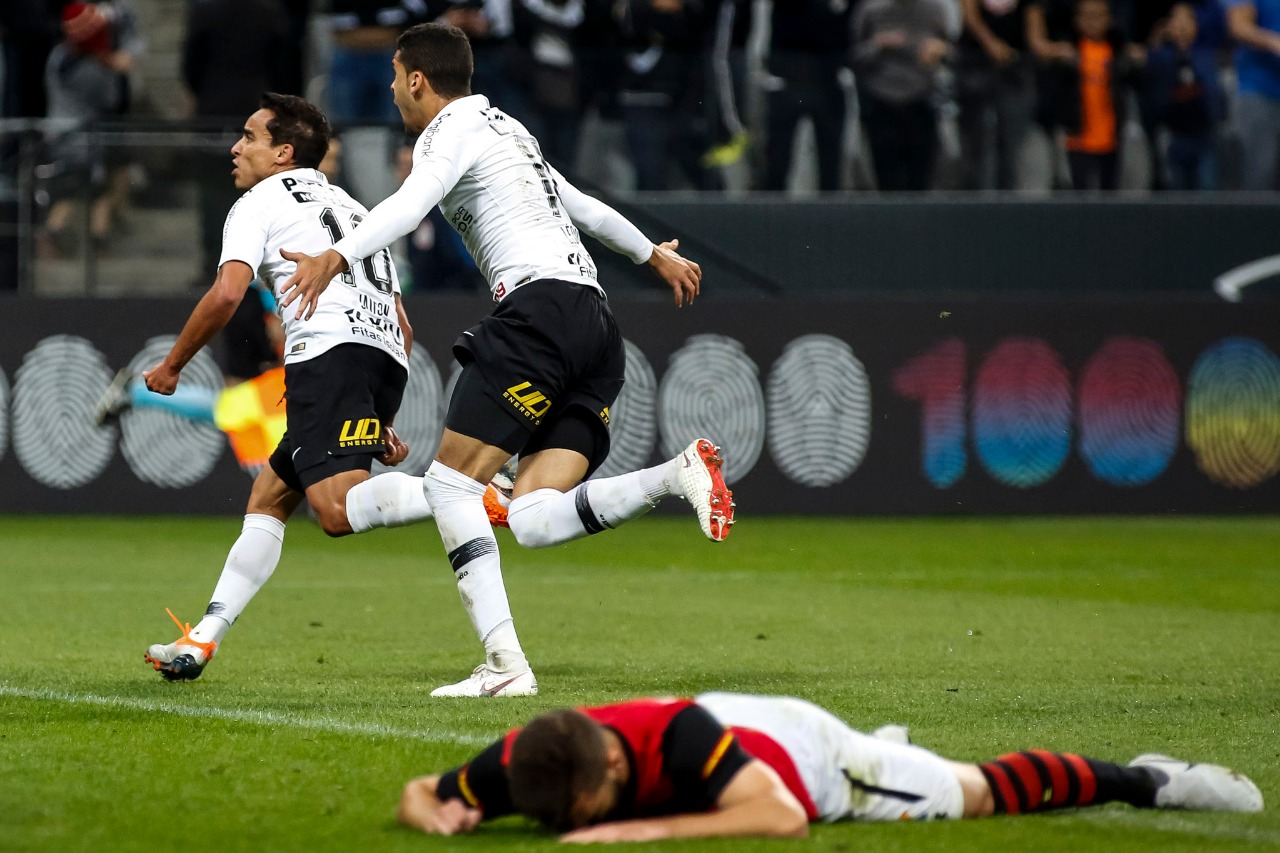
[532,404]
[364,432]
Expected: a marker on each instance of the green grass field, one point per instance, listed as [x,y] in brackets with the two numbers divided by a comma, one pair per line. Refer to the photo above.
[1107,637]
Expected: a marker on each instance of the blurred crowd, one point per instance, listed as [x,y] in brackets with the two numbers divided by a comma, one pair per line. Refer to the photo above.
[701,89]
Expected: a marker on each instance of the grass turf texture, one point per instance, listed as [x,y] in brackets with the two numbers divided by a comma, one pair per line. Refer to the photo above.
[1107,637]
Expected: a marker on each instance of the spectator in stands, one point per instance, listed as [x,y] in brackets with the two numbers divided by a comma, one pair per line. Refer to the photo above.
[1091,105]
[662,90]
[28,31]
[898,47]
[364,34]
[993,81]
[87,80]
[293,61]
[547,34]
[489,26]
[1092,108]
[727,81]
[234,51]
[808,47]
[1050,37]
[1144,24]
[1255,26]
[1188,101]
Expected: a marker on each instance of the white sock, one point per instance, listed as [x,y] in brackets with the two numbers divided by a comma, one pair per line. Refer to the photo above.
[249,564]
[661,481]
[457,501]
[387,500]
[548,517]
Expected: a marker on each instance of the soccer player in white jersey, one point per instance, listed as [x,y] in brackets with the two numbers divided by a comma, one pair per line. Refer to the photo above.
[345,367]
[727,764]
[540,373]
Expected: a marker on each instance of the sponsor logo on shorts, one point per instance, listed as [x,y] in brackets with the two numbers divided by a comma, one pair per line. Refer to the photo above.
[532,404]
[362,432]
[604,415]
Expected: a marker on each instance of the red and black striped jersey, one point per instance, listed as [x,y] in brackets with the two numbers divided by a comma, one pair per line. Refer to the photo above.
[681,760]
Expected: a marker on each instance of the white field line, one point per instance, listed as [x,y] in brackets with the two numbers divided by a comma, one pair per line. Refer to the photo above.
[252,717]
[1175,824]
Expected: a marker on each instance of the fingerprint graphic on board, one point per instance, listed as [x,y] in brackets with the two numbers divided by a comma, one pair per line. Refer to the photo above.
[4,414]
[1233,412]
[633,422]
[711,389]
[454,375]
[54,392]
[1022,412]
[819,411]
[420,420]
[1129,400]
[164,448]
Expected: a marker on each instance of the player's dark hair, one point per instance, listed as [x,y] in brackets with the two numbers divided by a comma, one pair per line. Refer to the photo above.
[555,758]
[443,55]
[299,123]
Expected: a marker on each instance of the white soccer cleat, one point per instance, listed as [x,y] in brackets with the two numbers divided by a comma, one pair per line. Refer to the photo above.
[702,485]
[485,682]
[1200,787]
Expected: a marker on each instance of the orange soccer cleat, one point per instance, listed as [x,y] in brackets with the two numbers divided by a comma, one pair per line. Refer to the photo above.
[183,659]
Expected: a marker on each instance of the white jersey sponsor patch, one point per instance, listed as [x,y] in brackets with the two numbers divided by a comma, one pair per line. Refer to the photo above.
[301,211]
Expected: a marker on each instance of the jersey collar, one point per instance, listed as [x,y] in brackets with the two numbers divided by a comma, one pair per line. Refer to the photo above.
[478,102]
[300,173]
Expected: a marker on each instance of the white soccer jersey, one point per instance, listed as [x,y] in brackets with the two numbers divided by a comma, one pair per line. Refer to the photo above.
[518,217]
[849,775]
[301,211]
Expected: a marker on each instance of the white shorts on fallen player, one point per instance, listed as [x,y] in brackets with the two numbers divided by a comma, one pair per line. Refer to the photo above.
[849,775]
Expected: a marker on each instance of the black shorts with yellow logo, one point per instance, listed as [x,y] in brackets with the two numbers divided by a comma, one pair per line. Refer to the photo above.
[336,406]
[551,350]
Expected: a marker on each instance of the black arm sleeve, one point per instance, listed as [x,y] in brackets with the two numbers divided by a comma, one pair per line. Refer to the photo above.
[480,784]
[701,757]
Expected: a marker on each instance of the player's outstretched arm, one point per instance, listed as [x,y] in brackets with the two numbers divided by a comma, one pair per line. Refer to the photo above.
[616,231]
[421,809]
[392,218]
[210,315]
[754,803]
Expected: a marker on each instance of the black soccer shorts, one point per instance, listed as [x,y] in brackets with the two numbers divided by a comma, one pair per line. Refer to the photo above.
[547,360]
[336,407]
